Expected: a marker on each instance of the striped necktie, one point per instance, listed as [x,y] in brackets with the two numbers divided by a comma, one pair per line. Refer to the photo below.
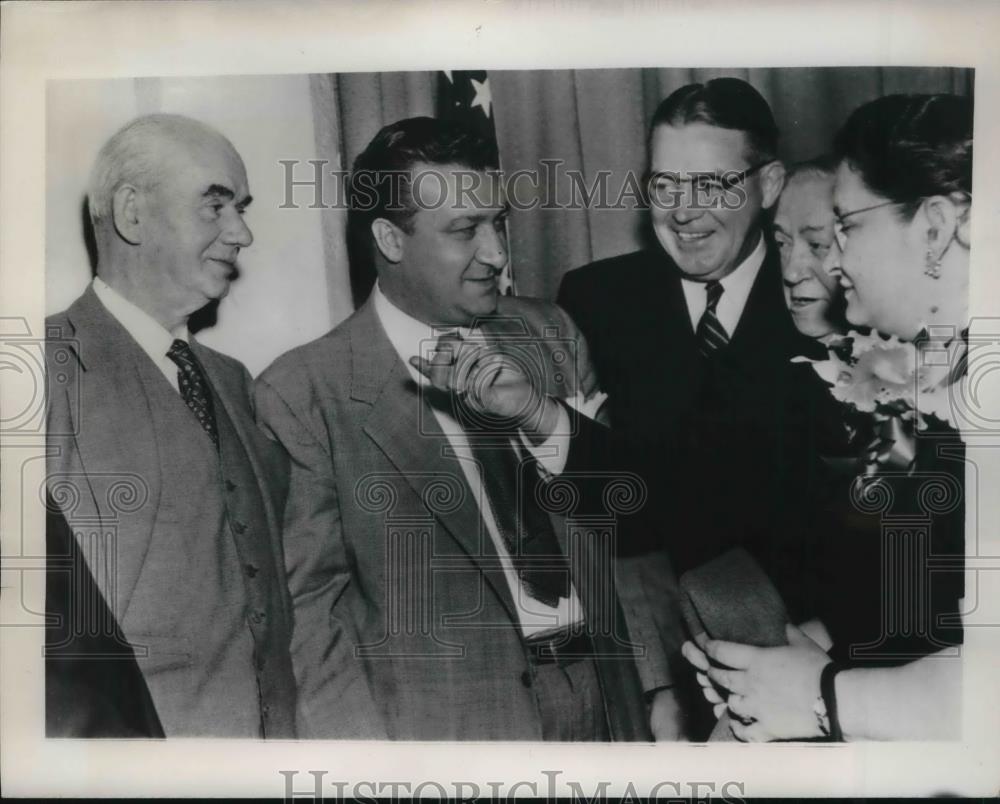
[710,333]
[194,387]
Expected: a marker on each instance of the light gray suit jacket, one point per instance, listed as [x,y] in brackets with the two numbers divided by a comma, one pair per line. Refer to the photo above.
[392,573]
[104,471]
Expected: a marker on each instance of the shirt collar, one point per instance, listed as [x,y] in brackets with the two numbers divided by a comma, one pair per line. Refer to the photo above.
[405,332]
[407,335]
[736,285]
[738,282]
[154,339]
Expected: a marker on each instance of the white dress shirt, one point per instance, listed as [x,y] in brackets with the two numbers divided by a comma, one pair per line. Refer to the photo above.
[151,336]
[411,337]
[736,288]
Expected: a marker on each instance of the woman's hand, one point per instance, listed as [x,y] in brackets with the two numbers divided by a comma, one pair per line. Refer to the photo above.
[773,691]
[696,656]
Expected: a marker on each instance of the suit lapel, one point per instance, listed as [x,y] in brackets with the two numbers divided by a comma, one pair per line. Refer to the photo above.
[677,313]
[764,325]
[405,429]
[232,394]
[668,340]
[116,438]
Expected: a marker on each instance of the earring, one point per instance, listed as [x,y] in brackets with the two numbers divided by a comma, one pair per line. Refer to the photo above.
[933,266]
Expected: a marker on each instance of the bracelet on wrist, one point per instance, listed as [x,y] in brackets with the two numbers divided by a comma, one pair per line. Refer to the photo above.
[828,694]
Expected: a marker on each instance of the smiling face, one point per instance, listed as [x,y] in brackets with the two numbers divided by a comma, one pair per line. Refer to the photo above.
[707,243]
[881,267]
[192,223]
[445,271]
[803,231]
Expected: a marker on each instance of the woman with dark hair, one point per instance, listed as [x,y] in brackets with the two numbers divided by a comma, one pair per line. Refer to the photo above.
[902,197]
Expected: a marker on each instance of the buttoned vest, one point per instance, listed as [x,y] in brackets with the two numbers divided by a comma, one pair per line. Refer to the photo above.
[204,602]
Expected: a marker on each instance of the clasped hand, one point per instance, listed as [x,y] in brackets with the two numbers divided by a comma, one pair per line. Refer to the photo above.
[770,692]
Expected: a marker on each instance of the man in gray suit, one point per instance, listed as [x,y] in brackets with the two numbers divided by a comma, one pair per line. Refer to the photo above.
[418,547]
[171,492]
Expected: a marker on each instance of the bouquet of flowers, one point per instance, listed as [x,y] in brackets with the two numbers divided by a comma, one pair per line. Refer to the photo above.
[887,377]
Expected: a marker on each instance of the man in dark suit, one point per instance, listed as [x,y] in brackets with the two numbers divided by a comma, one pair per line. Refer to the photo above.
[415,518]
[171,494]
[692,340]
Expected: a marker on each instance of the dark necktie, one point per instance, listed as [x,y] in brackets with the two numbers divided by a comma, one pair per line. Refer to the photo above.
[526,529]
[710,333]
[194,387]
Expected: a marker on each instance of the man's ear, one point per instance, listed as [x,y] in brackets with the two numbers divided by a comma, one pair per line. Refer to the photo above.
[125,213]
[389,239]
[772,181]
[943,219]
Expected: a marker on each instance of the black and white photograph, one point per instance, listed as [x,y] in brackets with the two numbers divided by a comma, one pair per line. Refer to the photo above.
[411,412]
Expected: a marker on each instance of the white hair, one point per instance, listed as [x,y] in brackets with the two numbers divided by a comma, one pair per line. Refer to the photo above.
[137,154]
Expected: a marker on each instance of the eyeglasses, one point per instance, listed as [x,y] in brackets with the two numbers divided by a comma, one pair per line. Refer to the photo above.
[707,185]
[838,224]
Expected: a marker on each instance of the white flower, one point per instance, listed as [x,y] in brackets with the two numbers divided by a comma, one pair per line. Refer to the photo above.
[878,372]
[885,375]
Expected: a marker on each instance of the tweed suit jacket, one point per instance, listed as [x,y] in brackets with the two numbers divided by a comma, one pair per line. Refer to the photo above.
[390,566]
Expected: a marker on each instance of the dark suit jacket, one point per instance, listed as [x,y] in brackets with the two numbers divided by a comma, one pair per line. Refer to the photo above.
[390,566]
[104,475]
[893,566]
[724,443]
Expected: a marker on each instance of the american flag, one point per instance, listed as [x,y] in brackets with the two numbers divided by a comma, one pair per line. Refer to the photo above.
[464,96]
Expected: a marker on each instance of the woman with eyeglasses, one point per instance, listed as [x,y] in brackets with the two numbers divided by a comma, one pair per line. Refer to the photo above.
[885,664]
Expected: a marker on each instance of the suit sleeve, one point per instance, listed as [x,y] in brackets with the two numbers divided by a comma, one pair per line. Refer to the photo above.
[335,700]
[594,447]
[646,582]
[587,383]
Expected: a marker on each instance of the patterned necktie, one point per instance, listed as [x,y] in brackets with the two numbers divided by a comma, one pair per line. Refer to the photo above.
[510,482]
[194,387]
[710,333]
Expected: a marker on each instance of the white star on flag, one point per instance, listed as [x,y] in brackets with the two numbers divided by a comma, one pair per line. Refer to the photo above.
[483,97]
[448,74]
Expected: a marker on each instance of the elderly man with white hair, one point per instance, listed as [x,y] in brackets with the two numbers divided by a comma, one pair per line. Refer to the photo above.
[172,494]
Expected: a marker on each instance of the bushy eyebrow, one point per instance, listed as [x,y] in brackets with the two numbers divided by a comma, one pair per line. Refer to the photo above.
[817,228]
[221,191]
[218,191]
[479,217]
[812,229]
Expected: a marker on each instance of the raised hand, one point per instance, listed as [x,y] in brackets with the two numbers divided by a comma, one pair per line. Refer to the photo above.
[490,382]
